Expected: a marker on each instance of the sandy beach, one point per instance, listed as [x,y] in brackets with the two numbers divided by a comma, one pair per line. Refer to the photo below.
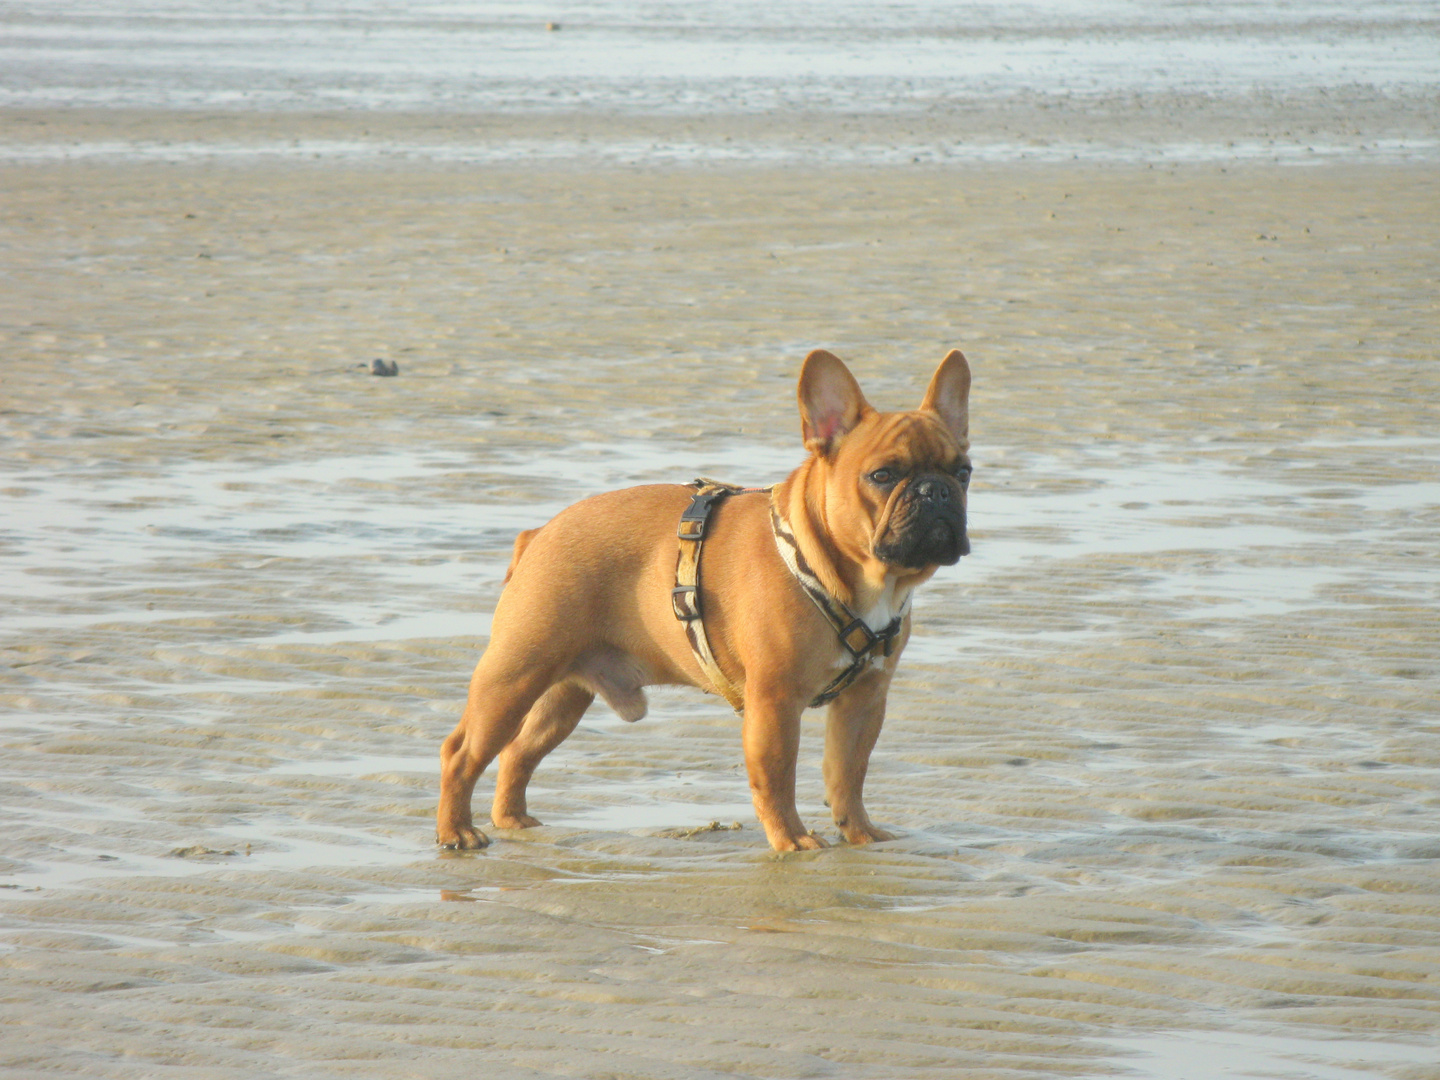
[1163,754]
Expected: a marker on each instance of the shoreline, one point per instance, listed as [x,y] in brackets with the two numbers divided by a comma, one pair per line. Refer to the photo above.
[1163,130]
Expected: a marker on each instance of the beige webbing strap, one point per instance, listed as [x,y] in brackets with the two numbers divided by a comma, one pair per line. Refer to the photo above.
[861,642]
[685,597]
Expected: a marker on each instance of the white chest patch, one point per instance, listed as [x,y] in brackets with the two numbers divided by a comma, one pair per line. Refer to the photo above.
[892,602]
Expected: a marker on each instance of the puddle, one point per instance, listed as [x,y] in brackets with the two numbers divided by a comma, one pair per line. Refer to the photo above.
[642,813]
[1206,1055]
[419,527]
[393,628]
[364,765]
[357,512]
[260,846]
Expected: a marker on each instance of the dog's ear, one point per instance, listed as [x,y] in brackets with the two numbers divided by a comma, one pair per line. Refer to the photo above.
[831,403]
[949,395]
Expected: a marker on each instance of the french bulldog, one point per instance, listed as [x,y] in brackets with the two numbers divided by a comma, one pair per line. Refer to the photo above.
[589,607]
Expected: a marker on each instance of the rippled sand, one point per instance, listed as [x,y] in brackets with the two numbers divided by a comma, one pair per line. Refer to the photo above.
[1164,754]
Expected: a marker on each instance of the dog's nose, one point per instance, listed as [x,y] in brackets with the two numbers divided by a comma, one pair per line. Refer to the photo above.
[932,491]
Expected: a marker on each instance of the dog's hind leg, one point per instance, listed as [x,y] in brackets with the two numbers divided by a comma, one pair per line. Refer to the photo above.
[500,698]
[549,721]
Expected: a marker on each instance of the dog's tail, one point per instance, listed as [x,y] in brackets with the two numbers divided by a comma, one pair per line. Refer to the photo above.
[521,543]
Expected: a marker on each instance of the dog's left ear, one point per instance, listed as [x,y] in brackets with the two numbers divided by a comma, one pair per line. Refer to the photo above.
[949,395]
[830,401]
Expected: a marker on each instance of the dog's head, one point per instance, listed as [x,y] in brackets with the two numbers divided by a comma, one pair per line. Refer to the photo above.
[891,487]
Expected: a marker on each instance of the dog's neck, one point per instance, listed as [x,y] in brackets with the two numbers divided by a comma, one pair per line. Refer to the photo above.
[842,579]
[876,599]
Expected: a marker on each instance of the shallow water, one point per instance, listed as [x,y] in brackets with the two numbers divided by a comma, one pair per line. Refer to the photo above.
[784,84]
[850,56]
[1163,753]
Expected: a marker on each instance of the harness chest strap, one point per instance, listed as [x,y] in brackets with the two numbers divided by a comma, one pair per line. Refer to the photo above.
[855,635]
[685,597]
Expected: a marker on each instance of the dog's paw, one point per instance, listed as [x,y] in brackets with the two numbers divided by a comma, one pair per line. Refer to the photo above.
[463,838]
[867,834]
[802,842]
[514,821]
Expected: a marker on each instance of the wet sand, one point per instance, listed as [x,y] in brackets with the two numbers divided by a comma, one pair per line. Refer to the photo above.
[1164,752]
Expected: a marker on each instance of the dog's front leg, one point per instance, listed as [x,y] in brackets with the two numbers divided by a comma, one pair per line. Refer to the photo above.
[771,733]
[851,728]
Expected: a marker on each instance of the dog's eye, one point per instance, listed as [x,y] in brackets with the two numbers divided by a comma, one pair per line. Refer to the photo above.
[962,473]
[881,477]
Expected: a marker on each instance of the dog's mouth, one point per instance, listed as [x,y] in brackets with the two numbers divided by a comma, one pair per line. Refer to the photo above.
[944,543]
[940,540]
[943,538]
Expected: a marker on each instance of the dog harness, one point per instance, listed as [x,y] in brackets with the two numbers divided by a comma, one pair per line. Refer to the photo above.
[859,641]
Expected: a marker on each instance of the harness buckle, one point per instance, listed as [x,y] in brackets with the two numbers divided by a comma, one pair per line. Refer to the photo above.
[870,638]
[890,633]
[695,520]
[685,599]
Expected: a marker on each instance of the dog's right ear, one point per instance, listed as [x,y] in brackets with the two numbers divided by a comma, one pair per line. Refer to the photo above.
[831,403]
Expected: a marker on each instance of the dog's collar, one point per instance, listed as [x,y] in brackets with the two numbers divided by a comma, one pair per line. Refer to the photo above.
[855,634]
